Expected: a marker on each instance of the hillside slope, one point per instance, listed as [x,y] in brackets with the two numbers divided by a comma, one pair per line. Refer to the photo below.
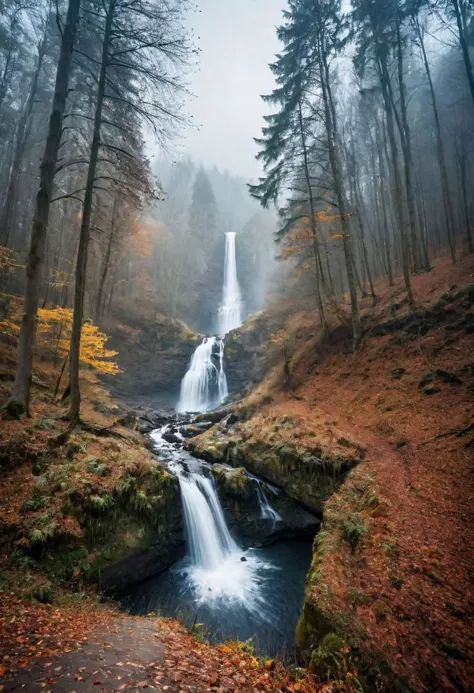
[392,566]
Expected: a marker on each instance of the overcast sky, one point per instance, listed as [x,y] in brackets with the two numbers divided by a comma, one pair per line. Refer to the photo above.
[237,39]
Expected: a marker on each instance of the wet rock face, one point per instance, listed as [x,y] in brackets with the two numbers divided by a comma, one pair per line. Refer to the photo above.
[141,542]
[153,358]
[241,497]
[307,475]
[156,554]
[243,360]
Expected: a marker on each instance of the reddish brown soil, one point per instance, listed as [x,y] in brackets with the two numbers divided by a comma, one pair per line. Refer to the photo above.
[421,537]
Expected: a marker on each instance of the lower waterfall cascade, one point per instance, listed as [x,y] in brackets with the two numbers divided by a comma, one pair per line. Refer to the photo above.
[236,592]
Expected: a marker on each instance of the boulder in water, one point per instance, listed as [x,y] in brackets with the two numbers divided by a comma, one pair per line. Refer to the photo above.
[172,438]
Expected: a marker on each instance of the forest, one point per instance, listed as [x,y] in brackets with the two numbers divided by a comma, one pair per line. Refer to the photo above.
[236,388]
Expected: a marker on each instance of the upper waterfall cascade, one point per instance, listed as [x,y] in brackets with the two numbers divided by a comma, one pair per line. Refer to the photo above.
[230,309]
[204,385]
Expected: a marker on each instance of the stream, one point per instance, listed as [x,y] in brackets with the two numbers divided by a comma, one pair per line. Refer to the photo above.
[233,589]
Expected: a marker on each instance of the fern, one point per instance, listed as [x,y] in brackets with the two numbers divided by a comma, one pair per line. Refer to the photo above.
[41,535]
[101,504]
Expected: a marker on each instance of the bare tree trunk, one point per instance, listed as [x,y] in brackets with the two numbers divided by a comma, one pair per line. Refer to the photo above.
[106,262]
[386,227]
[81,263]
[314,228]
[19,401]
[405,138]
[448,204]
[384,80]
[22,135]
[461,22]
[463,176]
[336,168]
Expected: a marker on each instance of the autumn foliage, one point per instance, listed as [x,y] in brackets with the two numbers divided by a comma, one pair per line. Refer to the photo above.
[54,335]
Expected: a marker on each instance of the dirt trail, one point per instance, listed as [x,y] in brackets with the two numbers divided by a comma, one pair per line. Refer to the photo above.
[123,657]
[134,654]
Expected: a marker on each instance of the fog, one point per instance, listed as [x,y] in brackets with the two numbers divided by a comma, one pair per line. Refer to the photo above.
[237,41]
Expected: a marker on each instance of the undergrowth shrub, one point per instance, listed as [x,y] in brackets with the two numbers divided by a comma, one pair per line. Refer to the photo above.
[353,529]
[36,502]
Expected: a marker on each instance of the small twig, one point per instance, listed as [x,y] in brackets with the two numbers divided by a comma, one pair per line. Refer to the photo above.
[458,432]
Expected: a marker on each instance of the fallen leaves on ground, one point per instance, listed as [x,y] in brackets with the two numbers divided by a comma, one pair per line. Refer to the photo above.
[30,630]
[230,667]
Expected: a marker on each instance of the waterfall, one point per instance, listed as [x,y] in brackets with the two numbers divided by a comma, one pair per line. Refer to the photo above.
[204,386]
[266,510]
[217,570]
[209,538]
[229,315]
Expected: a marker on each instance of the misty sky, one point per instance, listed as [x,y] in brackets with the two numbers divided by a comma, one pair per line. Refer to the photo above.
[238,40]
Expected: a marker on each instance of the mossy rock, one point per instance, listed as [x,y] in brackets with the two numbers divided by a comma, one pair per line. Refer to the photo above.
[312,626]
[327,657]
[233,482]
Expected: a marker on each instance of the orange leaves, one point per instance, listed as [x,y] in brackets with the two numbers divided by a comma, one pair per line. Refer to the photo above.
[142,237]
[29,630]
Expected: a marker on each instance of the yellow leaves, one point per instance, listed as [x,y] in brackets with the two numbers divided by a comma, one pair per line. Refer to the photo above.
[59,278]
[57,322]
[7,260]
[6,257]
[10,328]
[54,333]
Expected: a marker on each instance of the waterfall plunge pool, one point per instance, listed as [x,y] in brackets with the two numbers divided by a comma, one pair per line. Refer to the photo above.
[236,592]
[269,616]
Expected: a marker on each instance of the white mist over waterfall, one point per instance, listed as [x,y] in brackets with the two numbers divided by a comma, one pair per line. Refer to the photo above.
[204,385]
[230,313]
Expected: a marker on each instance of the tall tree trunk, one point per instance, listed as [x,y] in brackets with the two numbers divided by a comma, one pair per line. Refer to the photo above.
[463,175]
[336,168]
[81,262]
[22,135]
[383,201]
[18,404]
[448,204]
[461,22]
[398,199]
[106,262]
[405,137]
[314,228]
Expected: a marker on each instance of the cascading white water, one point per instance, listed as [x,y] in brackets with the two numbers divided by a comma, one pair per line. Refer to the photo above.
[209,538]
[204,386]
[230,310]
[217,572]
[266,510]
